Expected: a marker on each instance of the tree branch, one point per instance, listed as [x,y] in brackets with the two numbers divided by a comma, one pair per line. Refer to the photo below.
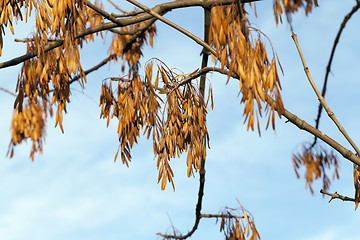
[203,71]
[346,153]
[102,12]
[160,8]
[219,216]
[25,40]
[120,32]
[328,68]
[202,172]
[173,25]
[321,99]
[336,195]
[128,14]
[7,91]
[94,68]
[23,58]
[116,6]
[303,125]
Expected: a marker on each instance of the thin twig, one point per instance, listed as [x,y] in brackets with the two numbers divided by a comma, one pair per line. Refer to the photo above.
[336,195]
[328,68]
[220,216]
[90,70]
[7,91]
[31,40]
[102,12]
[94,68]
[86,95]
[321,99]
[173,25]
[202,71]
[116,6]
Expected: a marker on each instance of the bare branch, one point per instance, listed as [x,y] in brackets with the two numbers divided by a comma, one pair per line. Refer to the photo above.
[116,6]
[175,236]
[205,54]
[321,99]
[303,125]
[17,60]
[173,25]
[336,195]
[328,68]
[220,216]
[346,153]
[7,91]
[203,71]
[102,12]
[31,39]
[94,68]
[128,14]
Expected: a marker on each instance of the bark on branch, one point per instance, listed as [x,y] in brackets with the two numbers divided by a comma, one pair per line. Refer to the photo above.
[321,99]
[328,68]
[336,195]
[300,123]
[159,9]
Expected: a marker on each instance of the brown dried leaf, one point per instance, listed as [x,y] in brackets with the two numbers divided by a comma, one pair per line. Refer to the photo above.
[29,124]
[292,6]
[245,56]
[316,162]
[238,223]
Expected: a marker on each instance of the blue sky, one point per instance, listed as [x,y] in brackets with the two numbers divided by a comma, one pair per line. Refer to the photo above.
[74,190]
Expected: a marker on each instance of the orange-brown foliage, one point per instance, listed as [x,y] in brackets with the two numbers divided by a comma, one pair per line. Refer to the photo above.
[316,163]
[248,59]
